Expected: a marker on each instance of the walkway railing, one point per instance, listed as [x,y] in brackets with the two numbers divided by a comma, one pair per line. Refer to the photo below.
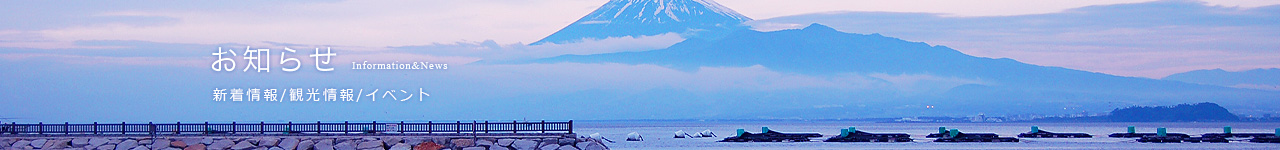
[290,128]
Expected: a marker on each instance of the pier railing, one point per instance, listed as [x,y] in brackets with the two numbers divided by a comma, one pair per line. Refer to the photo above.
[149,128]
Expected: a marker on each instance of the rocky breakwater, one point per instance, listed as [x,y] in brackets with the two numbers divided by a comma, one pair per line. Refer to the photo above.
[300,143]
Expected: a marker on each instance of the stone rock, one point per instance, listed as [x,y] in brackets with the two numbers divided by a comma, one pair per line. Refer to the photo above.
[140,147]
[106,147]
[401,146]
[324,144]
[304,145]
[550,147]
[392,140]
[78,148]
[524,144]
[5,143]
[115,141]
[275,148]
[38,143]
[127,145]
[595,147]
[583,144]
[144,142]
[567,147]
[288,143]
[59,144]
[171,148]
[346,145]
[260,148]
[160,143]
[221,144]
[428,146]
[243,145]
[197,146]
[253,141]
[80,142]
[21,143]
[95,142]
[473,148]
[440,140]
[370,144]
[567,141]
[499,148]
[505,142]
[462,142]
[178,144]
[483,142]
[207,141]
[190,141]
[414,141]
[268,141]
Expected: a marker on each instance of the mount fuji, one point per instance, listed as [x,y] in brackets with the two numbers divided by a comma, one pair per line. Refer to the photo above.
[1007,87]
[637,18]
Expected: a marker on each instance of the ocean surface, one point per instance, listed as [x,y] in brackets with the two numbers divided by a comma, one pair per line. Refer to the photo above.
[658,135]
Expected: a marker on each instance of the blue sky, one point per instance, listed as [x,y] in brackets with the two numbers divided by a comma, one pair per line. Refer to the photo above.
[123,60]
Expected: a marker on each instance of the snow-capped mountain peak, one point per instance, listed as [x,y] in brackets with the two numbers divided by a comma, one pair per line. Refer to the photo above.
[634,18]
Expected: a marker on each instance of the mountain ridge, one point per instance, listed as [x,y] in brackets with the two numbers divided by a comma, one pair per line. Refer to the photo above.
[822,51]
[637,18]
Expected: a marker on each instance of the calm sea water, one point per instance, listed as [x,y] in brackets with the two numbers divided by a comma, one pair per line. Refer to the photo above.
[658,134]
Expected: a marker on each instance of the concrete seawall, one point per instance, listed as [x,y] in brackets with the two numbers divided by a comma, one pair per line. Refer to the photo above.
[463,141]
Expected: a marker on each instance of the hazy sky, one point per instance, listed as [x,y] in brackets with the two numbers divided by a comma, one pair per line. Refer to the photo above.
[380,24]
[150,60]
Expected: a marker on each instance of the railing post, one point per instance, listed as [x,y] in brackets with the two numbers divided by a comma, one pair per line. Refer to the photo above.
[401,127]
[151,128]
[66,128]
[430,128]
[233,127]
[543,126]
[570,126]
[375,127]
[206,128]
[95,127]
[458,127]
[177,128]
[344,127]
[486,126]
[317,127]
[122,131]
[513,126]
[262,127]
[288,127]
[40,128]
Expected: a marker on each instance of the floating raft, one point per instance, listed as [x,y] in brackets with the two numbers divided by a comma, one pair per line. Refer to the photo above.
[1269,139]
[955,135]
[1226,133]
[1175,139]
[767,135]
[1037,133]
[1274,138]
[853,135]
[1163,137]
[1133,134]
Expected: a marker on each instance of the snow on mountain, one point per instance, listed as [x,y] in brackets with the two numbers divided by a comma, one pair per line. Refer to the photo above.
[636,18]
[1007,87]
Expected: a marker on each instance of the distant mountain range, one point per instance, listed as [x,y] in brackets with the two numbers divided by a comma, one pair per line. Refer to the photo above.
[1263,79]
[1009,86]
[637,18]
[968,85]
